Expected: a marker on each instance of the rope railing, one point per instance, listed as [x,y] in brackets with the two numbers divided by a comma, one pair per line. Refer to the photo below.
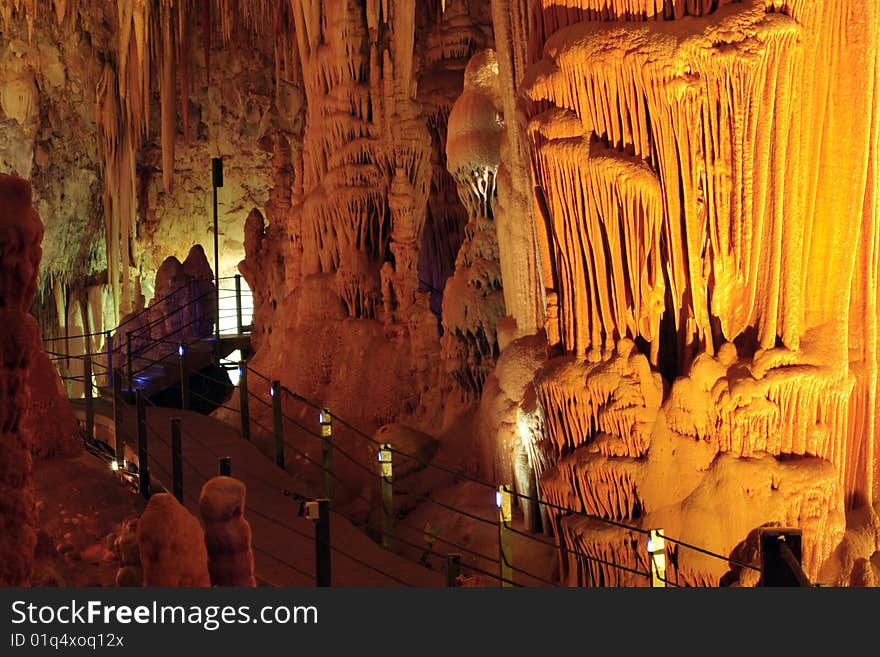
[371,471]
[191,302]
[423,497]
[535,499]
[131,318]
[334,548]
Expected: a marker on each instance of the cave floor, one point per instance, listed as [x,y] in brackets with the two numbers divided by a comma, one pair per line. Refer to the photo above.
[81,503]
[283,542]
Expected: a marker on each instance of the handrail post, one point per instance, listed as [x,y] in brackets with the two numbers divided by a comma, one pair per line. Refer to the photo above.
[453,569]
[238,315]
[194,307]
[277,423]
[108,338]
[117,418]
[184,376]
[90,404]
[386,477]
[657,557]
[243,401]
[217,181]
[504,502]
[177,459]
[128,366]
[319,511]
[143,455]
[225,466]
[781,552]
[326,420]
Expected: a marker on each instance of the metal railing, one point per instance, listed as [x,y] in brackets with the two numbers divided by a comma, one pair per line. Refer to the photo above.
[132,347]
[320,454]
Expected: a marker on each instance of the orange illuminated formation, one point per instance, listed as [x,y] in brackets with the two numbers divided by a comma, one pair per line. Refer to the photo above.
[622,255]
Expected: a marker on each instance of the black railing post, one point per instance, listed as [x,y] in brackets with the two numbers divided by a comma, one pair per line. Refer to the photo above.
[177,459]
[504,502]
[217,181]
[197,319]
[117,418]
[238,315]
[319,511]
[386,475]
[326,420]
[108,338]
[143,452]
[781,558]
[184,376]
[277,423]
[453,569]
[225,463]
[128,364]
[243,400]
[90,404]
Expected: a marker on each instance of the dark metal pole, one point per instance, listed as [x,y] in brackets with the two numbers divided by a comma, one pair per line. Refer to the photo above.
[217,180]
[322,544]
[177,459]
[792,562]
[387,478]
[453,569]
[184,377]
[327,451]
[143,455]
[117,417]
[108,338]
[197,320]
[128,362]
[238,304]
[225,466]
[781,550]
[243,400]
[277,422]
[90,405]
[504,502]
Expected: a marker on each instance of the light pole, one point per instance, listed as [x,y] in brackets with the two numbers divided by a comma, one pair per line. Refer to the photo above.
[217,180]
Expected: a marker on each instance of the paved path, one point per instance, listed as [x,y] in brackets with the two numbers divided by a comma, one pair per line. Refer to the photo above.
[284,551]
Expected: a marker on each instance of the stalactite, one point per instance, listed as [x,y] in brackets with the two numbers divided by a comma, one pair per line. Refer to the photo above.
[167,89]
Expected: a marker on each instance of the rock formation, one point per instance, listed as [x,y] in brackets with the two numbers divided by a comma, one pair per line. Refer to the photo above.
[49,416]
[638,237]
[127,549]
[171,544]
[20,235]
[675,228]
[227,532]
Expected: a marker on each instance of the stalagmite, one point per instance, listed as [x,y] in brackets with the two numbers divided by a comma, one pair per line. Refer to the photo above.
[227,532]
[171,544]
[20,235]
[473,303]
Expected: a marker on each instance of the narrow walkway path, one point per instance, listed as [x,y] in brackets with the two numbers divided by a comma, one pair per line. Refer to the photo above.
[284,545]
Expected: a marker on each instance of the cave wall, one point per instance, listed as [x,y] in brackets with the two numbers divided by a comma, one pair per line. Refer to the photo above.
[639,235]
[706,185]
[93,148]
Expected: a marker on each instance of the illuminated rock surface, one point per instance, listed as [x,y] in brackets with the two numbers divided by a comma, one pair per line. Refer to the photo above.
[634,240]
[20,234]
[227,532]
[171,544]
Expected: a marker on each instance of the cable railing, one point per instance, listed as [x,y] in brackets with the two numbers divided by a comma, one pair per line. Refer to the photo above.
[119,343]
[654,573]
[130,318]
[542,502]
[285,417]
